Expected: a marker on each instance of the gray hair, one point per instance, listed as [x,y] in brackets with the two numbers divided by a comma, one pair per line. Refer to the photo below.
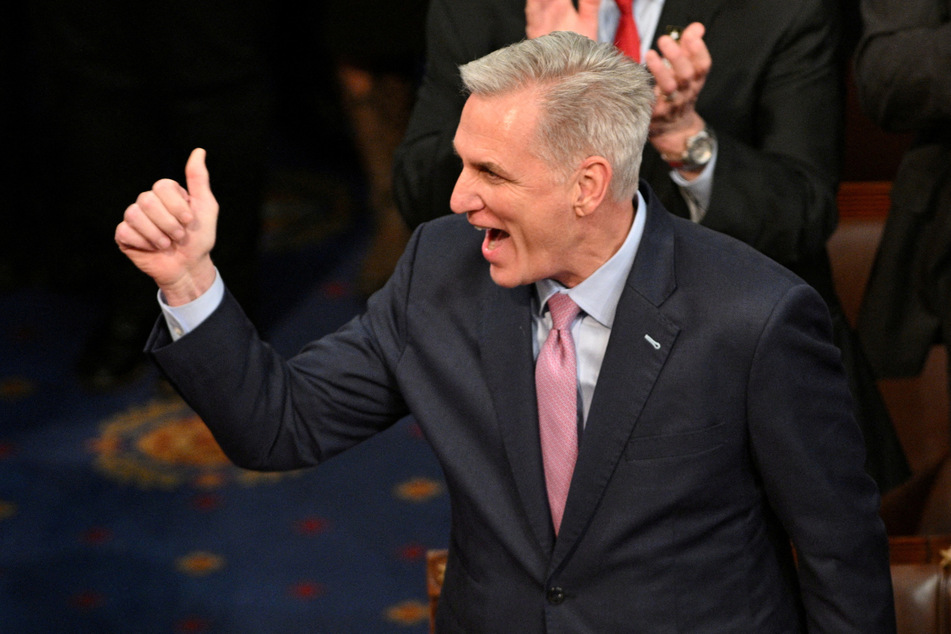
[594,100]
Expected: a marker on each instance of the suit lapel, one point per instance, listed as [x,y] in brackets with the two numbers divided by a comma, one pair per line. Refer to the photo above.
[641,340]
[508,365]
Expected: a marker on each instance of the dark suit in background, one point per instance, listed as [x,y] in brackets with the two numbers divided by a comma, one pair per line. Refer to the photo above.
[773,98]
[702,456]
[903,74]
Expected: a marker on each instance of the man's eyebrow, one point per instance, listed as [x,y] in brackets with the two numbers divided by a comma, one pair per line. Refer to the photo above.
[490,167]
[482,165]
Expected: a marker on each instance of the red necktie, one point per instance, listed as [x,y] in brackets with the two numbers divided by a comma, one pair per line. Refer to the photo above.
[626,38]
[557,393]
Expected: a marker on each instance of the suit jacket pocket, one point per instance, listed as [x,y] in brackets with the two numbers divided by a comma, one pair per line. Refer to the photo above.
[682,465]
[671,446]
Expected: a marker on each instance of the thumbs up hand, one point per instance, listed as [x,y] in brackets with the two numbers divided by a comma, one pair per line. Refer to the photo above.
[169,231]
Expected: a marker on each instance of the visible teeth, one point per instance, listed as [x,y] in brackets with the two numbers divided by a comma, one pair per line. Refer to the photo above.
[478,228]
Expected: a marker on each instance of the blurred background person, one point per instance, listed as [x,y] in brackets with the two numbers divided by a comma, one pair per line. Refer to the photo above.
[903,76]
[377,54]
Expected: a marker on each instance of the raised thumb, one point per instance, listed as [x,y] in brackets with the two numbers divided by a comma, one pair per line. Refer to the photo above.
[196,176]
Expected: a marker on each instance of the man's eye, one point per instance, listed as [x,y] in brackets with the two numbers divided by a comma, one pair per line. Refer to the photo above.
[490,174]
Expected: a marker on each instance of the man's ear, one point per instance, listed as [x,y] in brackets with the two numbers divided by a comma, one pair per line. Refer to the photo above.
[591,185]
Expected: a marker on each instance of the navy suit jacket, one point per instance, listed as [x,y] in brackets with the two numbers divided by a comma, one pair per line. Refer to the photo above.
[703,457]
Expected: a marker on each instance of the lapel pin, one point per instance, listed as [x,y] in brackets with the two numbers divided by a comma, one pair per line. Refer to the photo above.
[652,342]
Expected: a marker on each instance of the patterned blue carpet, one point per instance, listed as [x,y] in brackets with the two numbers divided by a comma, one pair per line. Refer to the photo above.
[118,512]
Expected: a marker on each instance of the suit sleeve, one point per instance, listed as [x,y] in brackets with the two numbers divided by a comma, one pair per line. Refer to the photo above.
[810,455]
[902,62]
[272,413]
[777,171]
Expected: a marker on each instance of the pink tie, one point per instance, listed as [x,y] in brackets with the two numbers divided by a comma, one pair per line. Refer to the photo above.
[626,38]
[557,393]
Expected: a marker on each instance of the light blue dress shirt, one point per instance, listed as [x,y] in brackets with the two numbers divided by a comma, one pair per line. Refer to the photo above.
[597,296]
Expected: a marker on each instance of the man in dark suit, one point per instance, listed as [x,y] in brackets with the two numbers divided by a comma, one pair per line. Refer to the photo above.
[717,485]
[903,80]
[764,122]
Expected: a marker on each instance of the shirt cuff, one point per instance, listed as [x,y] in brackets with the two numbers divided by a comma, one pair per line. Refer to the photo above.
[181,320]
[697,192]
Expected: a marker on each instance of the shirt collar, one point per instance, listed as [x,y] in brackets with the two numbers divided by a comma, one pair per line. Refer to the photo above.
[598,295]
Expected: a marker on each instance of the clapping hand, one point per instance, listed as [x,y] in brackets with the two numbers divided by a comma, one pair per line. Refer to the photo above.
[679,71]
[546,16]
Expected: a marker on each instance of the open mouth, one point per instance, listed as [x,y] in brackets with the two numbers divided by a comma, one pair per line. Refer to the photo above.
[493,237]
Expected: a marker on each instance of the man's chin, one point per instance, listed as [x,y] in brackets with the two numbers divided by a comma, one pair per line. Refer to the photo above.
[503,278]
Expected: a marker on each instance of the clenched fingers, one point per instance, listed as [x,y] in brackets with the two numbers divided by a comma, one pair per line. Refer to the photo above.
[157,218]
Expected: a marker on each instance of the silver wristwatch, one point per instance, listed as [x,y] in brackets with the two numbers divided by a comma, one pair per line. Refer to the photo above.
[698,153]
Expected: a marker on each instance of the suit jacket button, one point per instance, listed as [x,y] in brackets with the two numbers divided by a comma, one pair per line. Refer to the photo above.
[556,595]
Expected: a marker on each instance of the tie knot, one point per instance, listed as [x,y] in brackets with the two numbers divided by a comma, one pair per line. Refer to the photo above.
[625,6]
[563,310]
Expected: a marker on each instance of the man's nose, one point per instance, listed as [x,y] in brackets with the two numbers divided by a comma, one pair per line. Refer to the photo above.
[464,197]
